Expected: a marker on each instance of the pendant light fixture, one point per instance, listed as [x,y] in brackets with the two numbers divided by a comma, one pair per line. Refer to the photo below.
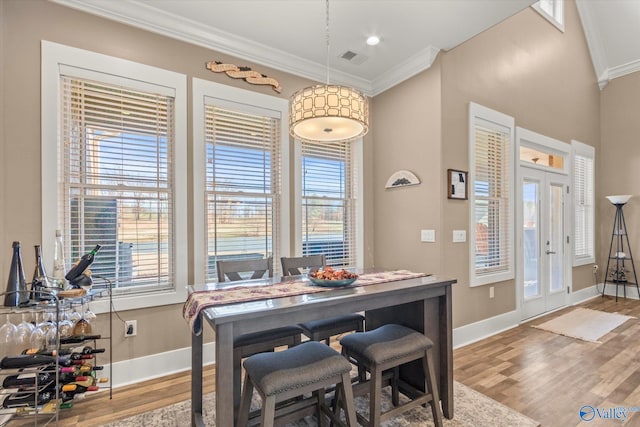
[328,113]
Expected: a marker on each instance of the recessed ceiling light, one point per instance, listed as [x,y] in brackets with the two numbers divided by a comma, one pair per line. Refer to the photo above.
[373,40]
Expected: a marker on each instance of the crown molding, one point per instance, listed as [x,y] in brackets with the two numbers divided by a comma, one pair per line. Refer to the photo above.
[593,36]
[146,17]
[409,68]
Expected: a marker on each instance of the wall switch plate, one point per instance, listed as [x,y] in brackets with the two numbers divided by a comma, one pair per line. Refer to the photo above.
[459,236]
[428,235]
[491,292]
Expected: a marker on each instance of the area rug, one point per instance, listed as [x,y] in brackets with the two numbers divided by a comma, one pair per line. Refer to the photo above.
[471,409]
[584,323]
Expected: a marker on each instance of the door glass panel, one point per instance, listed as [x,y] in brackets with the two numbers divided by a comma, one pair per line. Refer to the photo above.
[541,157]
[556,279]
[531,239]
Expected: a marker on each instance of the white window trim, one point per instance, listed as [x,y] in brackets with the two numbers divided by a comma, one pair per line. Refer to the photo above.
[582,149]
[357,156]
[557,18]
[205,88]
[480,113]
[56,56]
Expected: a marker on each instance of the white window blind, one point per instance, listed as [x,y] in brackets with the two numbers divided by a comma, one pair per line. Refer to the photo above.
[329,195]
[116,179]
[243,184]
[492,197]
[584,206]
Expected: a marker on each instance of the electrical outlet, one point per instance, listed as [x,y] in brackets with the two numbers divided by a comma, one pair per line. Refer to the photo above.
[130,328]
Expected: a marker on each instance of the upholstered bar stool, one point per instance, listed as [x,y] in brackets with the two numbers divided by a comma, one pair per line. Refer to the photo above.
[386,348]
[310,367]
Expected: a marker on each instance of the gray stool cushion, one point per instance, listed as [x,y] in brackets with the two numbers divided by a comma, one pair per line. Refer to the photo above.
[308,363]
[263,336]
[385,343]
[350,320]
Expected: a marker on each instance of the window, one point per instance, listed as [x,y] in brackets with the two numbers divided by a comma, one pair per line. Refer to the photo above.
[584,206]
[120,150]
[491,188]
[328,203]
[552,11]
[239,146]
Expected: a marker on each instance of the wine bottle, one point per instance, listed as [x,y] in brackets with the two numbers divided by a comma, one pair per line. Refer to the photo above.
[58,262]
[83,349]
[26,361]
[16,285]
[82,264]
[40,281]
[27,379]
[76,339]
[21,399]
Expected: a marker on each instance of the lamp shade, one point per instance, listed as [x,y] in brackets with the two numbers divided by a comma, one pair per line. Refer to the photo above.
[619,200]
[328,113]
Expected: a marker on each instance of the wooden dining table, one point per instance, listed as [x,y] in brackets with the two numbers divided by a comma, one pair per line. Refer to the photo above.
[422,303]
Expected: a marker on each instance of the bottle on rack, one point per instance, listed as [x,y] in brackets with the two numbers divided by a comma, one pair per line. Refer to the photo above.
[16,285]
[23,399]
[58,262]
[82,264]
[28,379]
[65,351]
[26,361]
[40,282]
[75,339]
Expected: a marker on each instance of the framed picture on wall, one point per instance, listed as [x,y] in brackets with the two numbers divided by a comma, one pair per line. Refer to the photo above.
[456,184]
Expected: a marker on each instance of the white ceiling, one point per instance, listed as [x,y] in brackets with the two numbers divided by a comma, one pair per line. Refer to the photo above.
[290,35]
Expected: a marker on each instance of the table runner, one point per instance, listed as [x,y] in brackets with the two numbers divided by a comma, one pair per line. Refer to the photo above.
[200,300]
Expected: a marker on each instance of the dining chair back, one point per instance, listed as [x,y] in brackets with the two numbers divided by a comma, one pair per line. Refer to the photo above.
[294,266]
[231,269]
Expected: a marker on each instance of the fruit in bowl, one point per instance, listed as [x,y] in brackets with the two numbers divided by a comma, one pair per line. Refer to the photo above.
[332,278]
[330,274]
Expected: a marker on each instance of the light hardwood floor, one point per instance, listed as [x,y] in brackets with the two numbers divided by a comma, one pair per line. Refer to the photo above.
[540,374]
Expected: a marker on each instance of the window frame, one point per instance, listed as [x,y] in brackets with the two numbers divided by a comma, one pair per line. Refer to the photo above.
[357,177]
[583,150]
[111,69]
[503,123]
[207,89]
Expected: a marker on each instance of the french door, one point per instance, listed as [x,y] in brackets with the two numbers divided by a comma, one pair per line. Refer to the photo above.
[544,259]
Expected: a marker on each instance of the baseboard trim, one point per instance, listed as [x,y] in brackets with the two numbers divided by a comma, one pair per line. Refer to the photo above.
[610,290]
[157,365]
[585,294]
[468,334]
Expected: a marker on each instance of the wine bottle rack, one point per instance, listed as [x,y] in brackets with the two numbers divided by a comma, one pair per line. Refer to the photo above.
[33,407]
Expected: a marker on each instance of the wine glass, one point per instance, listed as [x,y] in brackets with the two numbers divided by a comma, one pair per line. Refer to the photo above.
[23,332]
[88,314]
[38,335]
[8,333]
[65,326]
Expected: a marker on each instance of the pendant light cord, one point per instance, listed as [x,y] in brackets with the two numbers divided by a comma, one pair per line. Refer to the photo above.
[327,37]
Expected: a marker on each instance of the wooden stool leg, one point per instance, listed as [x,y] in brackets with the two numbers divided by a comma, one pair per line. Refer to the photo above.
[245,403]
[319,402]
[348,400]
[432,386]
[375,397]
[395,393]
[268,411]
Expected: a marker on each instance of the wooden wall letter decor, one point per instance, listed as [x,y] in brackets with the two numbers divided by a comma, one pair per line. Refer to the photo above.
[244,73]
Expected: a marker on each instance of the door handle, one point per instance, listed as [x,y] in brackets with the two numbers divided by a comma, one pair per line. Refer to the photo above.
[549,252]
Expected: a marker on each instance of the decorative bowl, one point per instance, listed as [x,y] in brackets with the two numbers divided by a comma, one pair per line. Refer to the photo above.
[332,283]
[619,200]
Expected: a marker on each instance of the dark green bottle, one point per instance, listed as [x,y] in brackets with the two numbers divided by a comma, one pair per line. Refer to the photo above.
[16,285]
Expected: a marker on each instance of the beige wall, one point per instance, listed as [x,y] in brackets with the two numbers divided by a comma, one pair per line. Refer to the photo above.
[408,134]
[24,25]
[618,166]
[523,67]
